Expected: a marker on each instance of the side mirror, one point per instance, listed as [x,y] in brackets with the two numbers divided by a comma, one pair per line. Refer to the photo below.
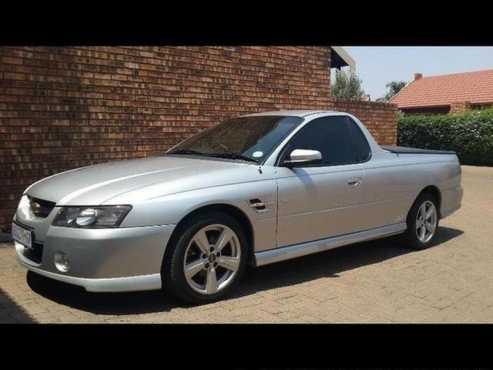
[302,156]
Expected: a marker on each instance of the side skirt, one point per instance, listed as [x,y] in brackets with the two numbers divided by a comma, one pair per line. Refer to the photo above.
[302,249]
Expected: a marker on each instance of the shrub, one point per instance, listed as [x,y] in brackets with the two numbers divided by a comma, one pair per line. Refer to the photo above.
[469,134]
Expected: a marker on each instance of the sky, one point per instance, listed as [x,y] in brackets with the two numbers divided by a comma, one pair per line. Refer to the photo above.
[376,66]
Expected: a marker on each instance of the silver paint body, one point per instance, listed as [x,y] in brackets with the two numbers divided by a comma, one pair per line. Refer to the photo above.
[307,209]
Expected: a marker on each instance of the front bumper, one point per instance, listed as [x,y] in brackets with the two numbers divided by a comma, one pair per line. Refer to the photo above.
[104,260]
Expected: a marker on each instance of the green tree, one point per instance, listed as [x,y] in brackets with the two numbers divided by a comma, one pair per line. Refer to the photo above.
[393,88]
[347,86]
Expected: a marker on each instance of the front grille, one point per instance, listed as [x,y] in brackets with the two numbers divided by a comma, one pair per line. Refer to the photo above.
[41,208]
[35,253]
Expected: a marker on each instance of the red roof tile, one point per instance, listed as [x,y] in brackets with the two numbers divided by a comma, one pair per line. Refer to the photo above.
[473,87]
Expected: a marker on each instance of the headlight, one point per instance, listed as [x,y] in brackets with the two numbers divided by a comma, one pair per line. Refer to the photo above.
[24,207]
[91,217]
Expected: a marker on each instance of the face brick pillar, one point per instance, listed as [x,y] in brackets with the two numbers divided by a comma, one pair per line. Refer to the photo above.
[459,107]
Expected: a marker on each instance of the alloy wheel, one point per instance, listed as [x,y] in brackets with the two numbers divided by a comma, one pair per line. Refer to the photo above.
[426,221]
[212,259]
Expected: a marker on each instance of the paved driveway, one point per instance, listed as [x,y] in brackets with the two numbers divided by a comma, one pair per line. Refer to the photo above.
[377,281]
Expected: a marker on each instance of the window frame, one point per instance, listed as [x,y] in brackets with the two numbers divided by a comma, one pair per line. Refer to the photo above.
[283,152]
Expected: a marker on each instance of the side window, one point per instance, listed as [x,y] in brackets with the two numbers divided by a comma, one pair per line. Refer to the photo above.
[361,146]
[331,136]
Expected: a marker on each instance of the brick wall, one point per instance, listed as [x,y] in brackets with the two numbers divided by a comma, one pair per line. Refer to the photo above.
[379,118]
[62,108]
[459,107]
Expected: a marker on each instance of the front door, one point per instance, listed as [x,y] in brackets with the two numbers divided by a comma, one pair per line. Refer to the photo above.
[322,200]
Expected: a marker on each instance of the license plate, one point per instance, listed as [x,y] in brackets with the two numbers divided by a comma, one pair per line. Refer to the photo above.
[21,235]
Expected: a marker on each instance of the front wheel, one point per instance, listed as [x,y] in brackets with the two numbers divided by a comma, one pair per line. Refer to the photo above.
[422,222]
[207,259]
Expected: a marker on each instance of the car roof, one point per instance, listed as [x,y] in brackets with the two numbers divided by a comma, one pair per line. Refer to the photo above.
[296,113]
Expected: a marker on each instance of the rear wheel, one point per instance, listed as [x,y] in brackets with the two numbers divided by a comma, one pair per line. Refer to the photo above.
[207,260]
[422,222]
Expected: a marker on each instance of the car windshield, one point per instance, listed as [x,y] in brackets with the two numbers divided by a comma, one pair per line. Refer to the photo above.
[250,138]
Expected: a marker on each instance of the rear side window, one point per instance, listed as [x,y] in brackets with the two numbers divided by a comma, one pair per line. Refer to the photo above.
[337,138]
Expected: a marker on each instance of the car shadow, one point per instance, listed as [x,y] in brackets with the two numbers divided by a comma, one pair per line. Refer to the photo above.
[331,263]
[325,264]
[11,312]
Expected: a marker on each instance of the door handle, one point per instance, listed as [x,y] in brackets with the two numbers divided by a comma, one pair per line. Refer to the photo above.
[257,204]
[354,182]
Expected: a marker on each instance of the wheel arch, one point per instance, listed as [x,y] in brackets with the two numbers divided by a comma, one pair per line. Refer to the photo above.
[435,191]
[229,209]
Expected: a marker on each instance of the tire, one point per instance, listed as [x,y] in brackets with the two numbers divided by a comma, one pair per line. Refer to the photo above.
[187,253]
[415,237]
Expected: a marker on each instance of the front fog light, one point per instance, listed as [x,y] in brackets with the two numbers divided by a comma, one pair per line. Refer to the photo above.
[61,262]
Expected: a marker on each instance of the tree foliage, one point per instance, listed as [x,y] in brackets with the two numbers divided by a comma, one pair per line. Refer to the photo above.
[347,86]
[393,88]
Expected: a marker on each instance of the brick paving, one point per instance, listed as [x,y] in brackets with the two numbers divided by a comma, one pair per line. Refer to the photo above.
[378,281]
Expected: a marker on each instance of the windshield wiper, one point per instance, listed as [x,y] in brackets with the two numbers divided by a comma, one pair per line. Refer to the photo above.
[187,151]
[232,156]
[217,155]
